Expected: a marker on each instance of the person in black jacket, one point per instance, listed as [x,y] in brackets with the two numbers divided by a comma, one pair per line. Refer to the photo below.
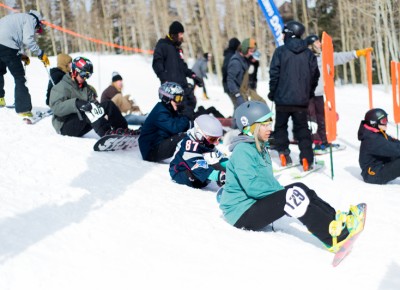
[164,128]
[233,46]
[170,66]
[64,63]
[379,156]
[294,75]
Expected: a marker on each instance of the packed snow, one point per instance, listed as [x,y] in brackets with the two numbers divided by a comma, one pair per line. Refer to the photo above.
[72,218]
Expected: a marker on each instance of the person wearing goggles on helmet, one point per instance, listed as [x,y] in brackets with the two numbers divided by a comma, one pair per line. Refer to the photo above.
[17,31]
[76,109]
[379,155]
[164,127]
[197,161]
[253,198]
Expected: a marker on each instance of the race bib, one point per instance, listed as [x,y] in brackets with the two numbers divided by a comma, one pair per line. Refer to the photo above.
[297,202]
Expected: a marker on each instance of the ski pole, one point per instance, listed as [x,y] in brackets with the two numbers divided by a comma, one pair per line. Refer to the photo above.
[50,78]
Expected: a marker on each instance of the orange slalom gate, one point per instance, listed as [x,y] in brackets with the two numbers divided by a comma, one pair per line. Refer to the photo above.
[328,73]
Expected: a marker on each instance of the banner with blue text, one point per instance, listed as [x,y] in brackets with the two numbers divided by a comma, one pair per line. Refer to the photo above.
[273,18]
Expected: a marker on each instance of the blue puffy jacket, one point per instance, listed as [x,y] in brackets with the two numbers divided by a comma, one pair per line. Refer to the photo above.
[162,123]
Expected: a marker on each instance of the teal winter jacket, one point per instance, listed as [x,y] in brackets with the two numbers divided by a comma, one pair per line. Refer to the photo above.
[249,177]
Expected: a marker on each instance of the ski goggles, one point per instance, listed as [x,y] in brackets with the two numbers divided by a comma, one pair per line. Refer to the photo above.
[178,98]
[85,74]
[212,140]
[383,121]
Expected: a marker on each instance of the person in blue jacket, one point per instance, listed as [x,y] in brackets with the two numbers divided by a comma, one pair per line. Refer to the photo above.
[379,156]
[253,198]
[197,161]
[164,127]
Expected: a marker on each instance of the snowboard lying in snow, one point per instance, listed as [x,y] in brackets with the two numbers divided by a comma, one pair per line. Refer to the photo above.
[335,147]
[116,142]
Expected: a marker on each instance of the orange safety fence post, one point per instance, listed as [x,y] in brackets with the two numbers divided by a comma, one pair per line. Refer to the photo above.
[395,73]
[328,73]
[369,77]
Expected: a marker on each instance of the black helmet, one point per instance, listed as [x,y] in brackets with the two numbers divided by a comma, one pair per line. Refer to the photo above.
[375,117]
[82,66]
[311,39]
[251,112]
[293,29]
[170,91]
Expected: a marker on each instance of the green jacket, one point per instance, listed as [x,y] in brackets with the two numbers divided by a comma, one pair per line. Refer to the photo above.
[249,177]
[63,98]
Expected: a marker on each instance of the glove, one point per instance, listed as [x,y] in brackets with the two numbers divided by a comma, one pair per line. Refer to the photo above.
[212,157]
[25,59]
[92,110]
[43,57]
[239,99]
[197,80]
[363,52]
[221,178]
[313,126]
[271,96]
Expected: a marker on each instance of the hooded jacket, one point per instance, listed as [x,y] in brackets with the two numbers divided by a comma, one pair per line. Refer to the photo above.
[249,177]
[237,67]
[63,98]
[161,123]
[17,30]
[169,64]
[293,74]
[377,148]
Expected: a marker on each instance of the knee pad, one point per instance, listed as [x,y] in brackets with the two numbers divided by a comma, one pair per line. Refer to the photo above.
[297,202]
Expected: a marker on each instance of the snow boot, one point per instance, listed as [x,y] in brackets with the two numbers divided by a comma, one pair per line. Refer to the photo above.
[2,102]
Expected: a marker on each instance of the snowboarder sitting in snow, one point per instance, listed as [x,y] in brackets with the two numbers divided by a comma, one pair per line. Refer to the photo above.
[197,161]
[76,110]
[379,156]
[164,128]
[113,92]
[253,198]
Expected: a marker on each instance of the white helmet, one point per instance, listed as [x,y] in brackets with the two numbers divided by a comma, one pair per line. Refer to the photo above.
[207,128]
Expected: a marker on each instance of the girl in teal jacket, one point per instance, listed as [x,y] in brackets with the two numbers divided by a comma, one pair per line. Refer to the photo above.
[252,198]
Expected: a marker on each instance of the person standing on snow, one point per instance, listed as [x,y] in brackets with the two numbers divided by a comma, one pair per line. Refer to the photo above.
[17,30]
[164,128]
[252,197]
[233,46]
[294,76]
[76,110]
[379,156]
[200,68]
[197,161]
[170,66]
[316,111]
[237,69]
[64,64]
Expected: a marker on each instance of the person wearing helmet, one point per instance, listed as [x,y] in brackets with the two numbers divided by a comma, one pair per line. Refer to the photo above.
[316,111]
[238,75]
[16,31]
[164,127]
[252,197]
[293,77]
[197,161]
[76,109]
[379,156]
